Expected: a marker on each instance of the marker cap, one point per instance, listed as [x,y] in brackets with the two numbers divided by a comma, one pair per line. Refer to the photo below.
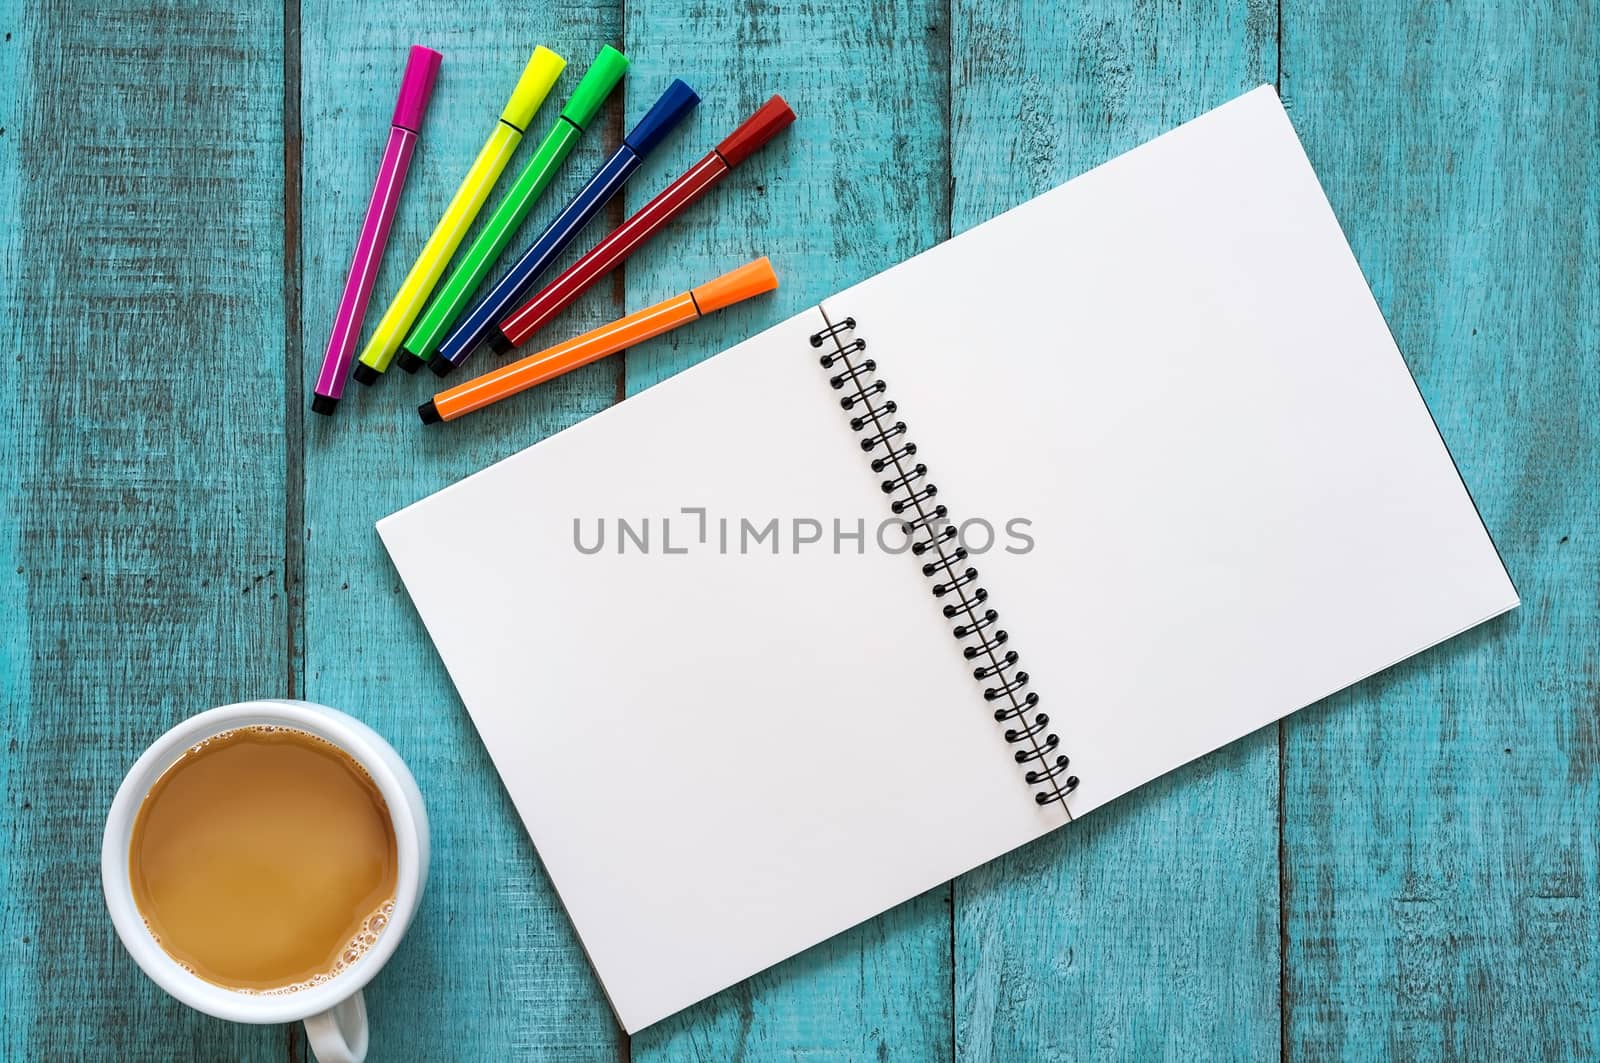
[750,279]
[666,112]
[772,117]
[533,86]
[416,87]
[601,77]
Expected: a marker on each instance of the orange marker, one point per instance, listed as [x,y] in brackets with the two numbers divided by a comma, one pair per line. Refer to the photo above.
[730,288]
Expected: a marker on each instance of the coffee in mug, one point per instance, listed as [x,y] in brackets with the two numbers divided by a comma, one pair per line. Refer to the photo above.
[264,860]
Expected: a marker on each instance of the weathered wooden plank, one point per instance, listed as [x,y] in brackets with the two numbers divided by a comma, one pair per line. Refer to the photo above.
[17,995]
[141,155]
[1150,929]
[1442,891]
[858,183]
[492,969]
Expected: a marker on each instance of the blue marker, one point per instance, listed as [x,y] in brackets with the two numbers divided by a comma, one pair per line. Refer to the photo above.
[673,106]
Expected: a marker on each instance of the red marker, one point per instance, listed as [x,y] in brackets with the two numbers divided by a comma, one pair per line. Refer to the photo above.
[611,252]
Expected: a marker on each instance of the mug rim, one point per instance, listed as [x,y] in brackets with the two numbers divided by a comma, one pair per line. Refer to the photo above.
[333,726]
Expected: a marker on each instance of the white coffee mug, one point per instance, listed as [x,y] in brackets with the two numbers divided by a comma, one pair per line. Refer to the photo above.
[334,1012]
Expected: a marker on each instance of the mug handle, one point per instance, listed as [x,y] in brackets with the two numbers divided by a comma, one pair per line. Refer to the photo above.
[339,1035]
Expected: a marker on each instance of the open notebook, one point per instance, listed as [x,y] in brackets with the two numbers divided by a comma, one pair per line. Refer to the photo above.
[1215,497]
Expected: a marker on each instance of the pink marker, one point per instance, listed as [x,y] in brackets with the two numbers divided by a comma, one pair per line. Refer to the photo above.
[416,86]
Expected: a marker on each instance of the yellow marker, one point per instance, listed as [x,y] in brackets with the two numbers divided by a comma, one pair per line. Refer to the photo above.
[534,85]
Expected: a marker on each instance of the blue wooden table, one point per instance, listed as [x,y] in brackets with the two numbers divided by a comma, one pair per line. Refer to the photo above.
[1406,871]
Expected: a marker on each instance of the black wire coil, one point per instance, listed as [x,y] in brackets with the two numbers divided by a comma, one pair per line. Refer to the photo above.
[954,581]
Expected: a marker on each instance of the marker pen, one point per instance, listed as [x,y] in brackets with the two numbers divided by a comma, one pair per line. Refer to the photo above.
[530,317]
[534,85]
[670,109]
[748,280]
[603,75]
[416,87]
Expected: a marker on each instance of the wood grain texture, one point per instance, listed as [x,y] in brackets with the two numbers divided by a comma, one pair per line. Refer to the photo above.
[491,969]
[1442,894]
[856,184]
[1148,930]
[144,468]
[17,994]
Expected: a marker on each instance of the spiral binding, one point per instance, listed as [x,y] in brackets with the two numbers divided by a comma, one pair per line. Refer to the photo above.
[954,581]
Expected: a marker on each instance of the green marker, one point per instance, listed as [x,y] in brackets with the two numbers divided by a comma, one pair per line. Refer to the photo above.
[603,75]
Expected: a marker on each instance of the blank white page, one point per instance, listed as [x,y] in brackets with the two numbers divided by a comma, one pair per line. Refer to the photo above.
[722,759]
[1173,368]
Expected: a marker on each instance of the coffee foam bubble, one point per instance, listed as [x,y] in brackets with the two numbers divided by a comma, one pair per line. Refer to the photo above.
[371,930]
[274,728]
